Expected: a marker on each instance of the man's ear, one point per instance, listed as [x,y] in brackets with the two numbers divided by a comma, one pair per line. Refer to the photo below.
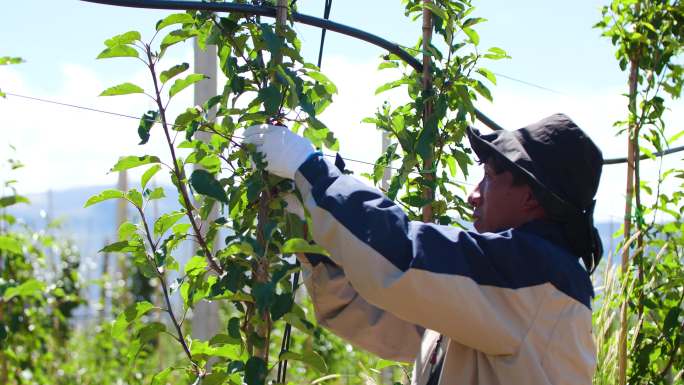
[532,205]
[530,202]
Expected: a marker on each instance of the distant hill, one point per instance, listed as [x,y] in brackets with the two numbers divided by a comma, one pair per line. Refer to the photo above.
[91,227]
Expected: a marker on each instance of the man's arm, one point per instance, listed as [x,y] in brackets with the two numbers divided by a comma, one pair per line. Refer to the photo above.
[471,287]
[340,308]
[480,290]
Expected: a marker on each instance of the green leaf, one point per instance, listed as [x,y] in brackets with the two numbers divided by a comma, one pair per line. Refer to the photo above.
[390,85]
[204,183]
[474,37]
[150,331]
[176,18]
[162,377]
[5,60]
[271,98]
[126,230]
[166,221]
[310,358]
[149,174]
[157,193]
[472,21]
[31,288]
[137,310]
[487,74]
[173,71]
[255,371]
[273,42]
[234,328]
[281,305]
[177,37]
[131,314]
[264,295]
[118,51]
[388,64]
[451,163]
[196,266]
[181,84]
[10,244]
[121,247]
[145,126]
[436,9]
[132,161]
[103,196]
[231,351]
[134,196]
[299,245]
[122,89]
[123,39]
[215,378]
[10,200]
[181,228]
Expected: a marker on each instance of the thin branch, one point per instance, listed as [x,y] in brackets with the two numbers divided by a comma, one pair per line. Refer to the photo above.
[180,173]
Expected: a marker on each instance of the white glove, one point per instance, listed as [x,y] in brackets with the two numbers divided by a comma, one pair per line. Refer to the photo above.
[294,206]
[284,150]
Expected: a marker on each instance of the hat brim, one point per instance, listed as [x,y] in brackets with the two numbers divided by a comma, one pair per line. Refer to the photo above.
[484,149]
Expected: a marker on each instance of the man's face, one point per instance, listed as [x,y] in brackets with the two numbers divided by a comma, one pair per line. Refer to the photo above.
[497,203]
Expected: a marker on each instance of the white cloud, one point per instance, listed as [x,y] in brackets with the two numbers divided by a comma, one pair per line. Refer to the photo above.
[64,147]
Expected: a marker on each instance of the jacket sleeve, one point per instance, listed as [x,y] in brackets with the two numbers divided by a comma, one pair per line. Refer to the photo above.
[339,308]
[471,287]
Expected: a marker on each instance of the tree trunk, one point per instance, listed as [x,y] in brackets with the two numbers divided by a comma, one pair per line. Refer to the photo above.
[428,167]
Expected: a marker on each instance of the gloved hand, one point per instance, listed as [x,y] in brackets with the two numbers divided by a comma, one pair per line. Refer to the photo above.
[284,150]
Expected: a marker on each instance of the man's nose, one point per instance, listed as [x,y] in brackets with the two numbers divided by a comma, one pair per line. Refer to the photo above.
[475,197]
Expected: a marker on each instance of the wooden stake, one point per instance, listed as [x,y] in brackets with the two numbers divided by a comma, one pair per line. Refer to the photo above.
[428,193]
[632,146]
[261,269]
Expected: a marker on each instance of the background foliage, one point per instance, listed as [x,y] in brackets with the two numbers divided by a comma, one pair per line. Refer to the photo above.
[232,215]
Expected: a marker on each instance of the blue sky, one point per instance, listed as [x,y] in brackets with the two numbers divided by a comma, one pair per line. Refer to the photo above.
[552,44]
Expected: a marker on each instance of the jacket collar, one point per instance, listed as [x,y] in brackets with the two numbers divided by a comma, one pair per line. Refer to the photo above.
[549,230]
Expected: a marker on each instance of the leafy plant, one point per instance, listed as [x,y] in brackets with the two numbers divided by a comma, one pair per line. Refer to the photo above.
[648,37]
[430,128]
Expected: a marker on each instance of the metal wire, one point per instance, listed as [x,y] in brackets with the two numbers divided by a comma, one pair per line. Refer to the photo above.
[605,161]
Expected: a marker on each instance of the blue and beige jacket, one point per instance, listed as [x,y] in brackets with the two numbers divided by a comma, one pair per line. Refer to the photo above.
[513,307]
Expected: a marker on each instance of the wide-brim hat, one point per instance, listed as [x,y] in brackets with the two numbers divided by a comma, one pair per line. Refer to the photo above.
[559,161]
[563,167]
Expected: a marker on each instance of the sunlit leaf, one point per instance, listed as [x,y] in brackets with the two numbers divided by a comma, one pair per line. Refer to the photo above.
[103,196]
[299,245]
[173,71]
[176,18]
[122,89]
[132,161]
[180,84]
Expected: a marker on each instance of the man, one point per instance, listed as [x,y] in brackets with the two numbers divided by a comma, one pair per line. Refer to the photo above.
[508,304]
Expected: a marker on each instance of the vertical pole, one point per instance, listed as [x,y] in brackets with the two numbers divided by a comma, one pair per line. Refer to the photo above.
[205,320]
[428,193]
[632,146]
[261,273]
[387,174]
[121,217]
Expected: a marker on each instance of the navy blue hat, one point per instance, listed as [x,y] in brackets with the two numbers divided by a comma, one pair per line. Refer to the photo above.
[562,166]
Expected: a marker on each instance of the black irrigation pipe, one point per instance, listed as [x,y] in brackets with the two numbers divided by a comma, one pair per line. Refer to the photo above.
[644,157]
[320,23]
[269,11]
